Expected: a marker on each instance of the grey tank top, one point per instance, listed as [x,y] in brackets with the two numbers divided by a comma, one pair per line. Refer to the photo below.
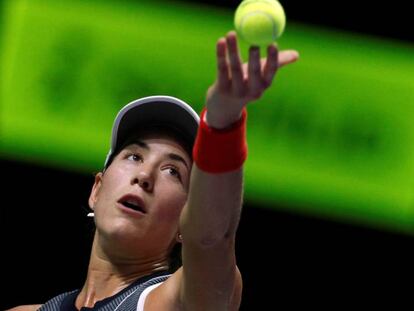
[125,300]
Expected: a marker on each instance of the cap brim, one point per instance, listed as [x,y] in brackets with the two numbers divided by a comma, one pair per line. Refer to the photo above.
[153,111]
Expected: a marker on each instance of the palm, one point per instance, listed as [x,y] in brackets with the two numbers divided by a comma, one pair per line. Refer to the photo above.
[238,84]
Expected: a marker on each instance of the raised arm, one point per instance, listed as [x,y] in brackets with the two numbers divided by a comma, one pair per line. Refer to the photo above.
[211,280]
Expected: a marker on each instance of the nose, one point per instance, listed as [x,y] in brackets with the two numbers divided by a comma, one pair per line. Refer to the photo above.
[144,180]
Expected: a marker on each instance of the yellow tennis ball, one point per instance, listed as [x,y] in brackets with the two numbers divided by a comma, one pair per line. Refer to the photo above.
[260,22]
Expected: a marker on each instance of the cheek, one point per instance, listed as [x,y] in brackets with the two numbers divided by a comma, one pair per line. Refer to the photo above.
[108,191]
[172,204]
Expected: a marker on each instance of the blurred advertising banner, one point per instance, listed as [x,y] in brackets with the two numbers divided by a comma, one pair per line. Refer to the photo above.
[333,137]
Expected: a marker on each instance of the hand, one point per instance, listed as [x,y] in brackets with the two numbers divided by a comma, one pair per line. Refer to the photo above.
[238,84]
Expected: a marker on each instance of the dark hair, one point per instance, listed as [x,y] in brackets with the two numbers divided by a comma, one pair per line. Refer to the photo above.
[175,260]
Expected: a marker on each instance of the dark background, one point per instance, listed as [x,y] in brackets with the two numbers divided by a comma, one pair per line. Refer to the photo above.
[287,260]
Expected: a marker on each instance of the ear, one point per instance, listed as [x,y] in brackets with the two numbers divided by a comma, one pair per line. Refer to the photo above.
[93,197]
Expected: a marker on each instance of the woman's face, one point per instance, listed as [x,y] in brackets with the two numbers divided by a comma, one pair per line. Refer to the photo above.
[138,200]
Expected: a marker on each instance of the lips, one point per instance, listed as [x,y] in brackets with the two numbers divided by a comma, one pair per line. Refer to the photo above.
[133,202]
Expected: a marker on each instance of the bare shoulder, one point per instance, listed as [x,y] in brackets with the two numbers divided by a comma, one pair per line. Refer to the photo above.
[168,296]
[25,308]
[237,291]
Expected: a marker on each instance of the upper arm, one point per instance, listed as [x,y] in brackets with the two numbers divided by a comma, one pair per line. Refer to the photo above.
[25,308]
[212,278]
[169,295]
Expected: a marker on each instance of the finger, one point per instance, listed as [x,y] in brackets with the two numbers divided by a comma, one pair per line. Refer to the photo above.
[287,57]
[255,81]
[235,63]
[223,79]
[271,65]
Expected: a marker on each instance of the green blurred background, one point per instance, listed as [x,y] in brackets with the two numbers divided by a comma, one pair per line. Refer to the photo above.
[330,172]
[333,136]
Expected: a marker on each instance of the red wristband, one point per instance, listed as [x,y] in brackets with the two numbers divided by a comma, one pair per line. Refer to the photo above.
[220,150]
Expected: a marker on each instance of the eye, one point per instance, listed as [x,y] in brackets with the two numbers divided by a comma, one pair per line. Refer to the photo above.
[135,157]
[174,172]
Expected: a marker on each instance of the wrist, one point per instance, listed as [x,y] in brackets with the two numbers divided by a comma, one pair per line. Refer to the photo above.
[221,121]
[221,150]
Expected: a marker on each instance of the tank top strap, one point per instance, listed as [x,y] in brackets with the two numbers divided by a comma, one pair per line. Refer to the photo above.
[126,300]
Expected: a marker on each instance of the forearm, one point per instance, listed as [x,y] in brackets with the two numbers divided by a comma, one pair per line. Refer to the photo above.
[216,188]
[214,205]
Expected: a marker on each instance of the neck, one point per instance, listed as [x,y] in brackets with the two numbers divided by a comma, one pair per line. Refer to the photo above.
[107,276]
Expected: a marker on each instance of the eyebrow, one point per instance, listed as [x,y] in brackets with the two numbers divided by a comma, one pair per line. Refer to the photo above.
[178,158]
[140,143]
[171,156]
